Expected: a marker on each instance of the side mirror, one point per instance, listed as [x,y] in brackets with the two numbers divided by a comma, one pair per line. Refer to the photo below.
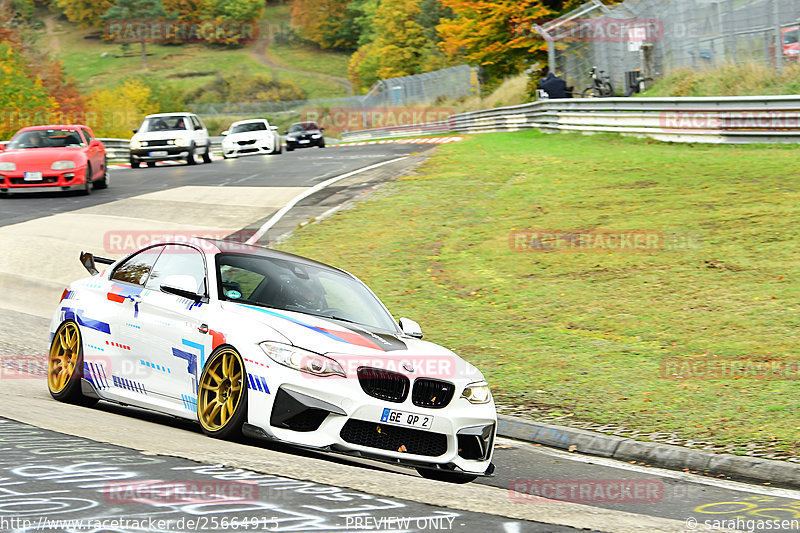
[94,143]
[273,128]
[410,328]
[284,133]
[225,132]
[134,131]
[322,129]
[181,285]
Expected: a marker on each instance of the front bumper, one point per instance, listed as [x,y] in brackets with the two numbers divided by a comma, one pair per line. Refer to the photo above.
[235,149]
[304,143]
[51,180]
[334,414]
[160,153]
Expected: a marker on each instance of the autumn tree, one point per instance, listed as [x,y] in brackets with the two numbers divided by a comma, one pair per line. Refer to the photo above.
[23,98]
[120,110]
[328,23]
[139,11]
[498,35]
[85,13]
[398,46]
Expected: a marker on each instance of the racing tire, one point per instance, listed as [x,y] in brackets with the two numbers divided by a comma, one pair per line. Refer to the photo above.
[449,477]
[321,145]
[222,395]
[65,365]
[207,155]
[102,183]
[151,164]
[289,148]
[134,163]
[87,186]
[190,158]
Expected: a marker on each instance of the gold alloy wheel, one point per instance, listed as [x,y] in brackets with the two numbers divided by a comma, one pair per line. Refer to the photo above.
[221,390]
[64,352]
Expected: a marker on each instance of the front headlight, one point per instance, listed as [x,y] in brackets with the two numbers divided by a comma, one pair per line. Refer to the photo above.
[477,392]
[62,165]
[302,360]
[135,145]
[316,136]
[180,141]
[8,166]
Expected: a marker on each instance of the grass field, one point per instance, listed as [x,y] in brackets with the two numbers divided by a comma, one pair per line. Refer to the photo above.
[99,65]
[596,334]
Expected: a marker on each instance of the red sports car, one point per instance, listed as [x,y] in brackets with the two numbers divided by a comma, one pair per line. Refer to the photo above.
[46,158]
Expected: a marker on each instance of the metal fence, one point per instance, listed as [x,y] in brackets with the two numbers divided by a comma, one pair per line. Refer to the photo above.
[734,120]
[405,91]
[659,36]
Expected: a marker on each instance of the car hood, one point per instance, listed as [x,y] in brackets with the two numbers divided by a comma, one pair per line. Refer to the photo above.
[40,159]
[354,345]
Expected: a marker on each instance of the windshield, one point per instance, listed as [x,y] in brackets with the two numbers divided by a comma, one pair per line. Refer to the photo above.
[790,36]
[164,124]
[292,286]
[46,139]
[303,126]
[249,126]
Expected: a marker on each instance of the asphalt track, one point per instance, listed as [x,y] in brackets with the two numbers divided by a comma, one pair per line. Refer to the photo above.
[40,238]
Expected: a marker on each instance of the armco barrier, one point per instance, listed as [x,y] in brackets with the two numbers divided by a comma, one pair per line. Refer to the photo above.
[733,119]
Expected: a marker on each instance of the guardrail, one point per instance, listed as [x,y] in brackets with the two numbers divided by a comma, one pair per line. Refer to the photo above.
[734,119]
[119,149]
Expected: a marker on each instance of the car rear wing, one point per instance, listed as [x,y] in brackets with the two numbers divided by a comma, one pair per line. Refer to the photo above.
[88,261]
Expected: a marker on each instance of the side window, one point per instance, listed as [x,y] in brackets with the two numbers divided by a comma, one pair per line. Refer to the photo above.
[179,260]
[136,269]
[87,135]
[196,123]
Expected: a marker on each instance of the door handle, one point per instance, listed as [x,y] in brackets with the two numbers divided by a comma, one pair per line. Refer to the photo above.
[203,328]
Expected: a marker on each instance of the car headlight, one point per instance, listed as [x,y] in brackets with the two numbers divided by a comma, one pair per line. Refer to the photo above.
[180,141]
[302,360]
[477,392]
[62,165]
[135,145]
[8,166]
[316,136]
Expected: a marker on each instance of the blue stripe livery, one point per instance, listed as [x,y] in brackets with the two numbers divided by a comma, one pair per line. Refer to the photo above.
[258,383]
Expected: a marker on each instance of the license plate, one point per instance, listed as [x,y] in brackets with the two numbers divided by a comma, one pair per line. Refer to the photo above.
[33,176]
[303,142]
[404,418]
[158,154]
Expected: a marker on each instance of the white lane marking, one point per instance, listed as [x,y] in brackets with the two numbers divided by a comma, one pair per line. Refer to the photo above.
[318,187]
[660,472]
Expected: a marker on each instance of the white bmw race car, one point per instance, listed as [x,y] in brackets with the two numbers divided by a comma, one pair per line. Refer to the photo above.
[250,340]
[248,137]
